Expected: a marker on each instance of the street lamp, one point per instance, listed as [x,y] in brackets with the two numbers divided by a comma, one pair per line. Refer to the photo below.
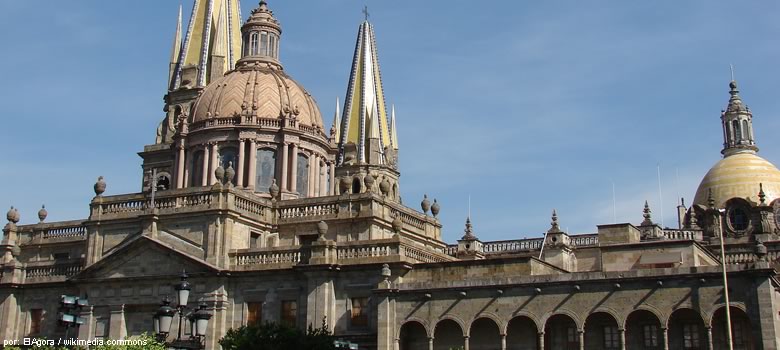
[163,319]
[69,305]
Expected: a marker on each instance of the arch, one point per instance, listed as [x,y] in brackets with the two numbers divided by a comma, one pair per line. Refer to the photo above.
[265,169]
[561,332]
[742,334]
[643,330]
[302,175]
[522,333]
[686,330]
[196,169]
[229,155]
[413,335]
[601,331]
[448,334]
[484,334]
[564,312]
[497,320]
[356,186]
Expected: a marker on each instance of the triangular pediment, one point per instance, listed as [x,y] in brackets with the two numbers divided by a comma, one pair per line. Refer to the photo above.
[144,256]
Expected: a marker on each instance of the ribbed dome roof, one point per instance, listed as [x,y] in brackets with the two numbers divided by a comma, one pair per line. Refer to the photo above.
[738,176]
[260,89]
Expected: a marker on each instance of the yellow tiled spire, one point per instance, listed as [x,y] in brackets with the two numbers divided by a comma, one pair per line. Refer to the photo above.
[175,53]
[364,114]
[205,36]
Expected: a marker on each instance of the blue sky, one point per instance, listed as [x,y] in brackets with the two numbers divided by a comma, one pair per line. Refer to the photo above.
[525,106]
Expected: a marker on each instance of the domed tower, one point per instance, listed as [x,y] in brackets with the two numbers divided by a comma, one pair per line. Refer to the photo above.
[742,183]
[367,159]
[258,120]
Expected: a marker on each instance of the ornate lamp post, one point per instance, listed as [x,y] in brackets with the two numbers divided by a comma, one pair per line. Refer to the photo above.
[69,306]
[199,319]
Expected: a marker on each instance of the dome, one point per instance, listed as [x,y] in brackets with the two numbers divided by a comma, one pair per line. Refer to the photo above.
[738,176]
[263,90]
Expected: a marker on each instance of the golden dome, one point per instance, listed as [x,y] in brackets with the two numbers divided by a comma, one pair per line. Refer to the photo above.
[263,90]
[738,176]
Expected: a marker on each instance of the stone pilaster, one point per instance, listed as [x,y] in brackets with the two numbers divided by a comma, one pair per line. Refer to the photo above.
[240,165]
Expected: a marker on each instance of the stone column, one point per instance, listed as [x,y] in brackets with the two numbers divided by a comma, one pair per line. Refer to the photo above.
[205,178]
[186,169]
[665,335]
[466,342]
[541,340]
[332,179]
[430,343]
[240,165]
[214,164]
[503,341]
[396,345]
[709,337]
[316,181]
[294,168]
[87,330]
[283,173]
[312,177]
[252,164]
[323,167]
[582,340]
[180,167]
[622,338]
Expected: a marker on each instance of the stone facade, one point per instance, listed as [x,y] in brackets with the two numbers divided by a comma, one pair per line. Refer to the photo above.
[275,220]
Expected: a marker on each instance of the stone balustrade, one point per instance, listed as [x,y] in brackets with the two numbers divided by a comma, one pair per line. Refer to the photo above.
[675,234]
[586,240]
[56,272]
[269,258]
[270,123]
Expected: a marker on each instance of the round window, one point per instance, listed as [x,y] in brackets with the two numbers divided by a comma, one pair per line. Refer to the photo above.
[738,219]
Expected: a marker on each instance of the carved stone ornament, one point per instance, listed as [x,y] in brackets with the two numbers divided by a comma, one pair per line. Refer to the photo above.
[384,186]
[435,208]
[398,224]
[42,214]
[425,204]
[369,180]
[100,186]
[322,228]
[229,173]
[219,172]
[274,189]
[13,215]
[344,184]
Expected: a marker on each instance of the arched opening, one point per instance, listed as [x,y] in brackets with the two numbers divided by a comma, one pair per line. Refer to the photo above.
[560,333]
[484,335]
[686,331]
[228,156]
[266,169]
[522,334]
[643,331]
[601,332]
[741,330]
[394,195]
[356,185]
[448,335]
[196,169]
[413,337]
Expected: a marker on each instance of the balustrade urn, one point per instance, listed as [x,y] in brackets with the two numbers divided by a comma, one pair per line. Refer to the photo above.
[384,186]
[274,189]
[322,228]
[219,172]
[100,186]
[425,204]
[435,208]
[42,214]
[398,224]
[13,215]
[369,180]
[344,185]
[229,174]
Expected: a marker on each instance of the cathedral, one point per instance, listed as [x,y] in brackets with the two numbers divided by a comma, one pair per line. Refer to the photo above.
[275,217]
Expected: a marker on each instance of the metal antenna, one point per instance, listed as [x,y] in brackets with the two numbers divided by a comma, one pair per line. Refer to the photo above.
[365,12]
[732,71]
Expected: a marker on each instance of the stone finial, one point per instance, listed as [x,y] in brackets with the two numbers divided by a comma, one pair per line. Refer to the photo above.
[554,228]
[761,194]
[274,189]
[646,215]
[229,173]
[384,187]
[398,224]
[322,228]
[468,232]
[100,186]
[710,199]
[425,204]
[435,208]
[219,173]
[386,273]
[344,184]
[12,215]
[760,250]
[42,214]
[369,181]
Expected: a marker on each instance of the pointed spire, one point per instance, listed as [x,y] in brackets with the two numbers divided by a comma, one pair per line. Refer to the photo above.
[173,71]
[761,194]
[646,215]
[393,135]
[200,40]
[554,228]
[365,99]
[335,128]
[220,35]
[710,199]
[468,232]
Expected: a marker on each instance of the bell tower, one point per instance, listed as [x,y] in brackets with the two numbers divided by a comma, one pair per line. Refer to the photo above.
[737,123]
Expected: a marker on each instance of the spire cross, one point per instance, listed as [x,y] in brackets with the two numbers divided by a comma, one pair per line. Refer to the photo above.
[365,12]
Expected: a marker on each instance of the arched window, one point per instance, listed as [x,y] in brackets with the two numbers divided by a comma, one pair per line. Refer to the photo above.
[355,186]
[196,169]
[738,218]
[272,45]
[227,156]
[266,169]
[745,131]
[264,43]
[302,177]
[737,132]
[253,43]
